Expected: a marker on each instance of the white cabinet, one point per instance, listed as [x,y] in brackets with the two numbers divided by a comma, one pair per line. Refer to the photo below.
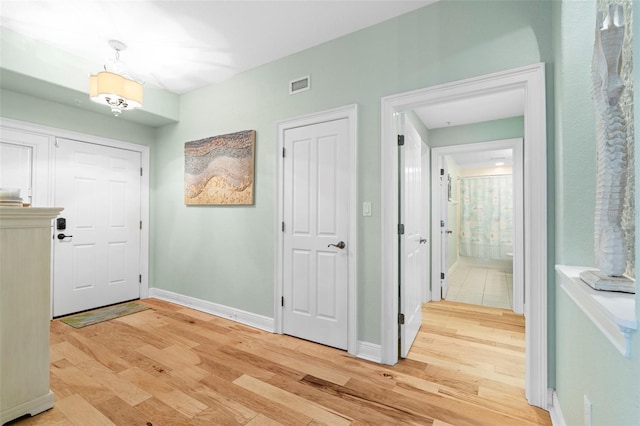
[25,309]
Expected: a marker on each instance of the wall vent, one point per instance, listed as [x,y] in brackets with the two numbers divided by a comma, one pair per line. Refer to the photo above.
[299,85]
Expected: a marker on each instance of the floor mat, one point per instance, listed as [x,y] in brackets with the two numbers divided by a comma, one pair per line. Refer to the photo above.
[104,314]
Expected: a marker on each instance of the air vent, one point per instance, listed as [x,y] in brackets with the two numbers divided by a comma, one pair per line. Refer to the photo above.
[299,85]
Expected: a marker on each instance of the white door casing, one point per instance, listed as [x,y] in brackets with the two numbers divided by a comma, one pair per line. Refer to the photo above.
[330,317]
[531,79]
[98,262]
[411,240]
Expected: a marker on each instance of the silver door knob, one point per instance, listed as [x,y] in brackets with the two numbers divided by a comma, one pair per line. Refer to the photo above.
[423,241]
[340,245]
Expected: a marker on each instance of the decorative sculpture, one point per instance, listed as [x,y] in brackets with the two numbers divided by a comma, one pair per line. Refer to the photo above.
[612,156]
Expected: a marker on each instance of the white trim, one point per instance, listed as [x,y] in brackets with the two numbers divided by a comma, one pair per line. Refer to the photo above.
[144,151]
[349,112]
[531,79]
[557,419]
[369,351]
[31,407]
[518,236]
[243,317]
[612,312]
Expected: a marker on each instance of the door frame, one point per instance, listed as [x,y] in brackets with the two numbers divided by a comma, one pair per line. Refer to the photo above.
[350,112]
[531,79]
[52,133]
[516,145]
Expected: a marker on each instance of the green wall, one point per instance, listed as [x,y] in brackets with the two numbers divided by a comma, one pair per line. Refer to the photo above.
[18,106]
[487,131]
[585,362]
[225,254]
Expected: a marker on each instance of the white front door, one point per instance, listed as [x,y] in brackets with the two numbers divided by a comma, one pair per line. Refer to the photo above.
[411,241]
[444,227]
[316,230]
[97,254]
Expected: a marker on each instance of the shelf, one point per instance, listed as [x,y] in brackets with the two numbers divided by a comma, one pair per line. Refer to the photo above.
[612,312]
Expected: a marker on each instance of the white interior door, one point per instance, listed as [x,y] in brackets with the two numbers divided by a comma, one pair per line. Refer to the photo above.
[444,227]
[316,227]
[411,241]
[426,223]
[97,254]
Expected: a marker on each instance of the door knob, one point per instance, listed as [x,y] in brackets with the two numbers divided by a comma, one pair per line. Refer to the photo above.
[449,231]
[62,236]
[423,241]
[340,245]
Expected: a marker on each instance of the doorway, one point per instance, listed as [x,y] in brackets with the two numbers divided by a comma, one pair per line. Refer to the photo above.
[316,256]
[530,80]
[96,251]
[39,144]
[481,224]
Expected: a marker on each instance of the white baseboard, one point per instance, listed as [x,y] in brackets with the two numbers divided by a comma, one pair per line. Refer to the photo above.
[369,351]
[453,267]
[557,419]
[364,350]
[32,407]
[233,314]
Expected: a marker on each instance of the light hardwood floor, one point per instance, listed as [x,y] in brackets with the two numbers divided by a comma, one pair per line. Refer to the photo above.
[172,365]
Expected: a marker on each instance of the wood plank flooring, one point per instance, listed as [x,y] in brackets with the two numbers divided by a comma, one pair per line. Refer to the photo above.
[172,365]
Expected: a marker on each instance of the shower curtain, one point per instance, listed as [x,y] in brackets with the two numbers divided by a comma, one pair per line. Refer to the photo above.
[486,217]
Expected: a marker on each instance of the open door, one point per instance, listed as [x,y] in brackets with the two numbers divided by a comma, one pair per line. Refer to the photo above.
[411,240]
[445,231]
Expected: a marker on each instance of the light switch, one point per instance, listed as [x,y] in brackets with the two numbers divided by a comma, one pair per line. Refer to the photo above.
[366,208]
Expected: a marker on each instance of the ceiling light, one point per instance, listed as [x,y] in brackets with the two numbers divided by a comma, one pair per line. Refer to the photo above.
[500,163]
[110,87]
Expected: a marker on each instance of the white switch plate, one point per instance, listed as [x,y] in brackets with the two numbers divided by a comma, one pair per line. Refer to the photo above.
[366,208]
[588,421]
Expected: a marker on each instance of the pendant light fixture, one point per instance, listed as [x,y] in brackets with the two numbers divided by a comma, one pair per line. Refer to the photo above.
[110,87]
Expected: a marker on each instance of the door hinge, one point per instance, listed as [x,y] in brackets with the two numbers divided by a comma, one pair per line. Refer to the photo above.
[140,278]
[401,319]
[140,224]
[441,172]
[282,226]
[401,229]
[284,150]
[400,140]
[140,171]
[442,275]
[282,301]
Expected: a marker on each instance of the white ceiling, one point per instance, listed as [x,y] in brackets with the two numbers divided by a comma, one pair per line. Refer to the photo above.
[473,110]
[477,159]
[181,45]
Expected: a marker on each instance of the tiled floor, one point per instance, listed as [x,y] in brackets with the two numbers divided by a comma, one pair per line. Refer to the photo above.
[481,286]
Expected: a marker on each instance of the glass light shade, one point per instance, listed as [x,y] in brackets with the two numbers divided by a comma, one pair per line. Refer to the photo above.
[116,91]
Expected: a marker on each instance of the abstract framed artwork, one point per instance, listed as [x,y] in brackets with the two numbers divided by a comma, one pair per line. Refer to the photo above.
[219,170]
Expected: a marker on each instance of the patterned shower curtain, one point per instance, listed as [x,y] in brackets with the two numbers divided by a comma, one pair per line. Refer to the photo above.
[486,217]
